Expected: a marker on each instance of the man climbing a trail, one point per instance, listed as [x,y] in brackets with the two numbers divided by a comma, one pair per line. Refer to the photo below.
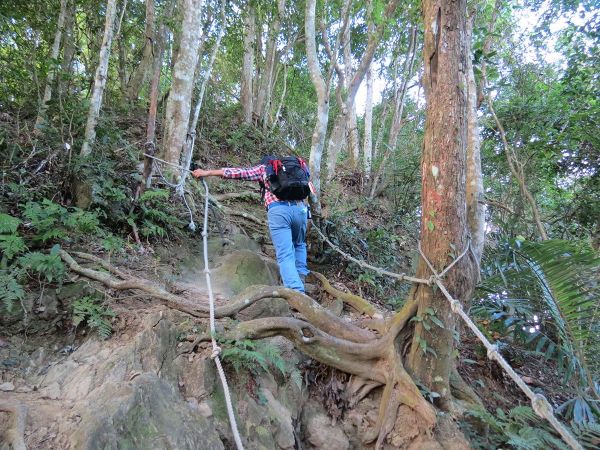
[285,185]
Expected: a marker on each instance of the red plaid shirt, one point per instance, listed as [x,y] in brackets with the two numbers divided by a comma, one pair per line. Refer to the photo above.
[256,173]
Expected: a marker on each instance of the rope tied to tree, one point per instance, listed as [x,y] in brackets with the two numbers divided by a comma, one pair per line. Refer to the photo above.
[179,186]
[539,403]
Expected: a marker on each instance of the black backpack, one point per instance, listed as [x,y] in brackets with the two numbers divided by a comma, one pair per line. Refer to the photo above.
[288,177]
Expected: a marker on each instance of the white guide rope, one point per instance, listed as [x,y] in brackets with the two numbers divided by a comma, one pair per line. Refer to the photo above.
[216,349]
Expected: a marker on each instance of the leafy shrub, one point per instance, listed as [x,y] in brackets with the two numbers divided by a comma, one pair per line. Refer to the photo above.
[53,222]
[10,290]
[157,215]
[521,429]
[49,266]
[95,315]
[11,244]
[257,357]
[544,297]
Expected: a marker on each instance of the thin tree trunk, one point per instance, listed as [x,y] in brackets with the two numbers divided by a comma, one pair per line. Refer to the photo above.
[122,70]
[282,99]
[263,98]
[100,78]
[368,137]
[444,211]
[517,170]
[318,136]
[353,138]
[159,40]
[41,118]
[140,74]
[179,103]
[367,142]
[68,48]
[398,111]
[487,45]
[475,196]
[337,138]
[351,126]
[247,93]
[383,119]
[358,76]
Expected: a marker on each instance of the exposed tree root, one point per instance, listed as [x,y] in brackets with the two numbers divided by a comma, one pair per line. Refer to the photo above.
[372,358]
[358,303]
[16,434]
[373,364]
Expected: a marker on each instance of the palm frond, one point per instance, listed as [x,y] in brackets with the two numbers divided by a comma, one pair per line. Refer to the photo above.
[547,294]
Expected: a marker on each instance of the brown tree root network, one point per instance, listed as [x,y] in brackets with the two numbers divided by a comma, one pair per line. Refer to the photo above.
[368,353]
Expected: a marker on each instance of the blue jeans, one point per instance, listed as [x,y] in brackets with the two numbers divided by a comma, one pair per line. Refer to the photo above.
[287,224]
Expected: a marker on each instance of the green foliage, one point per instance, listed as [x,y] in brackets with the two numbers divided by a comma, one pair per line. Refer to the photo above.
[53,222]
[519,429]
[257,357]
[10,290]
[97,317]
[48,266]
[11,244]
[8,224]
[544,296]
[157,216]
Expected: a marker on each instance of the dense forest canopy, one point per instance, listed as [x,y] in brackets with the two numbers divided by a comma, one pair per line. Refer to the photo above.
[463,125]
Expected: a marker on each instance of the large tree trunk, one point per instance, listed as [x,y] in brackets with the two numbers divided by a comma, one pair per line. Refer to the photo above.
[41,118]
[180,97]
[100,78]
[141,72]
[444,208]
[191,135]
[247,93]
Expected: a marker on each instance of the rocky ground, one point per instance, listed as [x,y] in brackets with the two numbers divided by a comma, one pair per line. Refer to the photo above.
[145,388]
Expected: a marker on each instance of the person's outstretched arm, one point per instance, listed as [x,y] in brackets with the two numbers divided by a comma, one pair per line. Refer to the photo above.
[255,173]
[198,173]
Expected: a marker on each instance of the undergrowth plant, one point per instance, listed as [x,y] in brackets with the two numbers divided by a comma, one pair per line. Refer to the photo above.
[544,298]
[90,311]
[520,428]
[256,357]
[53,222]
[157,215]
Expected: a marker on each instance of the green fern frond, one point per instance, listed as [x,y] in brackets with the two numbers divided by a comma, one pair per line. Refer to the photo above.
[8,224]
[10,291]
[97,317]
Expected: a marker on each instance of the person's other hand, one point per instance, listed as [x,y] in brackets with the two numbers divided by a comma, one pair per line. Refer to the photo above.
[198,173]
